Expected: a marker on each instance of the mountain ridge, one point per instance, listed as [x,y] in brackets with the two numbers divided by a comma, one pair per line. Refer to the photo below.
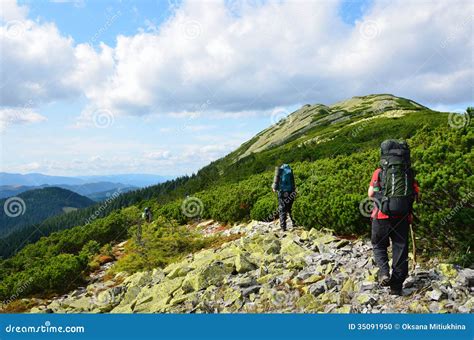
[38,179]
[310,116]
[96,191]
[34,206]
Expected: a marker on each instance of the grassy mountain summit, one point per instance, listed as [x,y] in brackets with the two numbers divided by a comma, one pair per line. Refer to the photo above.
[333,151]
[319,131]
[313,122]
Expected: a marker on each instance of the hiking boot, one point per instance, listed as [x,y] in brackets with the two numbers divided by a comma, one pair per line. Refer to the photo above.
[396,291]
[384,280]
[396,288]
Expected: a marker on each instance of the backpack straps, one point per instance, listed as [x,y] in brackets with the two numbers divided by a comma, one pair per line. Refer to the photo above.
[381,179]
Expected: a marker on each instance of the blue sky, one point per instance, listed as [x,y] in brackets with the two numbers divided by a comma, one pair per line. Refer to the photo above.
[165,87]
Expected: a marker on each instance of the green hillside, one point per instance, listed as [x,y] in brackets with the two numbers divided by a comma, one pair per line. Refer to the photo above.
[34,206]
[333,150]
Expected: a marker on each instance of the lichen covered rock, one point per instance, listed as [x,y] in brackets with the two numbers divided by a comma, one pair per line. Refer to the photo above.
[268,271]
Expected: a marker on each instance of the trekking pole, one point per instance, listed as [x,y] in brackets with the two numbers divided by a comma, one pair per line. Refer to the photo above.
[139,233]
[413,243]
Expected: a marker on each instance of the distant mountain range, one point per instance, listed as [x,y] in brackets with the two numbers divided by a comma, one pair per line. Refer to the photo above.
[136,180]
[97,188]
[37,179]
[95,191]
[34,206]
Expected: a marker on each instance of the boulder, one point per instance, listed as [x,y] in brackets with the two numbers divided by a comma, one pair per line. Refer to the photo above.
[346,309]
[466,277]
[367,286]
[447,270]
[204,277]
[313,278]
[180,298]
[435,295]
[155,298]
[244,281]
[308,303]
[365,299]
[82,304]
[317,288]
[304,236]
[139,279]
[230,296]
[341,243]
[249,290]
[418,307]
[243,264]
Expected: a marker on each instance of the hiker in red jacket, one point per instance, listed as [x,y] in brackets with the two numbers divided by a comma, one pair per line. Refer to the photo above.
[393,188]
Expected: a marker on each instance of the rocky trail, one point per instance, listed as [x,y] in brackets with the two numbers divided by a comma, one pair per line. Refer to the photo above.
[267,271]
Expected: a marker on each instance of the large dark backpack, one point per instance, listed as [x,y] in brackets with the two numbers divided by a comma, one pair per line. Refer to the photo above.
[396,178]
[286,179]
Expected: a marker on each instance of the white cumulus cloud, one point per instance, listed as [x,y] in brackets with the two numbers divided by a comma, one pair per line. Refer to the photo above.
[245,57]
[26,115]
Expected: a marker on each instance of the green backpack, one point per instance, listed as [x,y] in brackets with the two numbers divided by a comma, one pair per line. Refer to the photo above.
[286,179]
[396,178]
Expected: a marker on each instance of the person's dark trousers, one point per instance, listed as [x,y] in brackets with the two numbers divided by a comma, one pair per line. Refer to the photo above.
[285,204]
[395,230]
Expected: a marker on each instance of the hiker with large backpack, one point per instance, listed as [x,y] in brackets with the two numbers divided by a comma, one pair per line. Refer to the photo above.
[147,215]
[393,189]
[284,185]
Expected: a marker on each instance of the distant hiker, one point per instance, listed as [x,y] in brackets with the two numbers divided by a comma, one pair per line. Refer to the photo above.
[284,185]
[147,215]
[393,189]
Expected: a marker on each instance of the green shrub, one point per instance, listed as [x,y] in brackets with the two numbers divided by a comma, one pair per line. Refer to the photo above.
[161,243]
[266,208]
[57,262]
